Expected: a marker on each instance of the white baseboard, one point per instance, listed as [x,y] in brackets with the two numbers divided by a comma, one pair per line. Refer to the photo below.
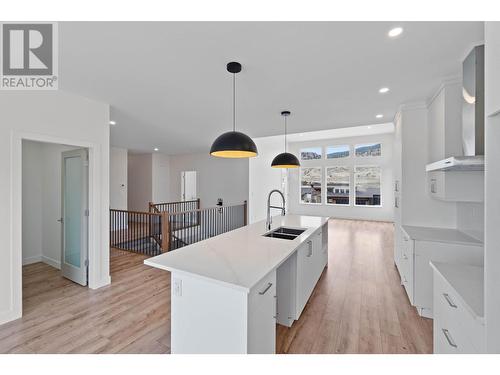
[8,316]
[31,260]
[99,284]
[51,262]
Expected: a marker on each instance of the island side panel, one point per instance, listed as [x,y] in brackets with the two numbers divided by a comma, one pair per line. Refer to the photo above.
[207,317]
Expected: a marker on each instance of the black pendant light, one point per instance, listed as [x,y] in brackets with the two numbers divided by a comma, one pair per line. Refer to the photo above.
[234,144]
[285,159]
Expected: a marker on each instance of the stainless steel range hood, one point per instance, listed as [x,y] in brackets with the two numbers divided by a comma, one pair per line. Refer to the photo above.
[472,118]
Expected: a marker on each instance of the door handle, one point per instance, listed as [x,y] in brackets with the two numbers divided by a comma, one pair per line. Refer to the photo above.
[61,220]
[310,249]
[269,285]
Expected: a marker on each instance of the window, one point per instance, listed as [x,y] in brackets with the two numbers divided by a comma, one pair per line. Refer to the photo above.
[311,153]
[337,185]
[336,152]
[310,185]
[367,189]
[370,149]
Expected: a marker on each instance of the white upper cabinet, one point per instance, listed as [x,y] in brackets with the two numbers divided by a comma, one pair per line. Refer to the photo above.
[492,71]
[445,122]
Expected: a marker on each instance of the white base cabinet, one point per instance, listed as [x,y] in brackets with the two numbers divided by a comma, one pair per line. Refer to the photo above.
[212,318]
[298,276]
[456,328]
[413,257]
[262,317]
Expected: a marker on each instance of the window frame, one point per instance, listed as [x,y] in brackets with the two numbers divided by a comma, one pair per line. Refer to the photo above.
[355,184]
[368,156]
[311,147]
[350,147]
[300,185]
[350,171]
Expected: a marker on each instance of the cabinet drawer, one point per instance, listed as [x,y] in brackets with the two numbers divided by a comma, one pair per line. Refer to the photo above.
[450,341]
[450,313]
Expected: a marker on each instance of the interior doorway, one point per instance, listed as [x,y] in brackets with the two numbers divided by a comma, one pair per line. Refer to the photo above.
[188,185]
[55,191]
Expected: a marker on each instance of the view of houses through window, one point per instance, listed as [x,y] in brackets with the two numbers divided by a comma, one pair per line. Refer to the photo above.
[310,185]
[337,185]
[366,177]
[367,189]
[336,152]
[311,153]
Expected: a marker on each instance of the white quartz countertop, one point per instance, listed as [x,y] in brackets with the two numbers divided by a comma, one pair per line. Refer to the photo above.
[440,235]
[239,258]
[468,282]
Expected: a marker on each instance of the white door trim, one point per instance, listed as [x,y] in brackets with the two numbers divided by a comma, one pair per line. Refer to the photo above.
[98,253]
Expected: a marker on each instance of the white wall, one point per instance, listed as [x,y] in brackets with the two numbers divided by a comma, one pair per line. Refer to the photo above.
[470,219]
[216,178]
[140,190]
[160,171]
[32,202]
[118,183]
[55,117]
[385,161]
[262,178]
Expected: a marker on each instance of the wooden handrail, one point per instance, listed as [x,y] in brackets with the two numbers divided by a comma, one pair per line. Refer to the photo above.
[136,212]
[158,204]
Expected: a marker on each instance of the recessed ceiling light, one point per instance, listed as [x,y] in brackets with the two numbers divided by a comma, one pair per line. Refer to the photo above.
[383,90]
[156,149]
[112,122]
[379,116]
[369,127]
[395,32]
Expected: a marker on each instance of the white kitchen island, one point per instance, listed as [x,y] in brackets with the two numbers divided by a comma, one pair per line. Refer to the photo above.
[229,291]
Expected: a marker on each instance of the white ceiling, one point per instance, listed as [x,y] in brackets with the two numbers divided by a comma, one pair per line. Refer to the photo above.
[168,86]
[353,131]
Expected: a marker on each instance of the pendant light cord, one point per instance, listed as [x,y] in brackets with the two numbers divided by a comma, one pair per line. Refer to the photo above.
[285,133]
[234,102]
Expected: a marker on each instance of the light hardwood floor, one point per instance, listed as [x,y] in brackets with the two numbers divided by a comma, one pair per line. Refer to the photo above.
[358,306]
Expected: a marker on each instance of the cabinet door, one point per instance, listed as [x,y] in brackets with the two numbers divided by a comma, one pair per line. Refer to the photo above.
[492,62]
[398,239]
[407,258]
[318,254]
[262,317]
[286,279]
[305,275]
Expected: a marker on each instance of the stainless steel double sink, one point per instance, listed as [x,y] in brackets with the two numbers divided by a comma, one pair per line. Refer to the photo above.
[285,233]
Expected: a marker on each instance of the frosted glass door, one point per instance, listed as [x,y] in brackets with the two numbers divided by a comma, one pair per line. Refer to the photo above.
[74,215]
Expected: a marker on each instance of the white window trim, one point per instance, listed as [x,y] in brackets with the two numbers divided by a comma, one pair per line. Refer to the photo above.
[311,160]
[369,157]
[351,149]
[354,187]
[300,186]
[326,184]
